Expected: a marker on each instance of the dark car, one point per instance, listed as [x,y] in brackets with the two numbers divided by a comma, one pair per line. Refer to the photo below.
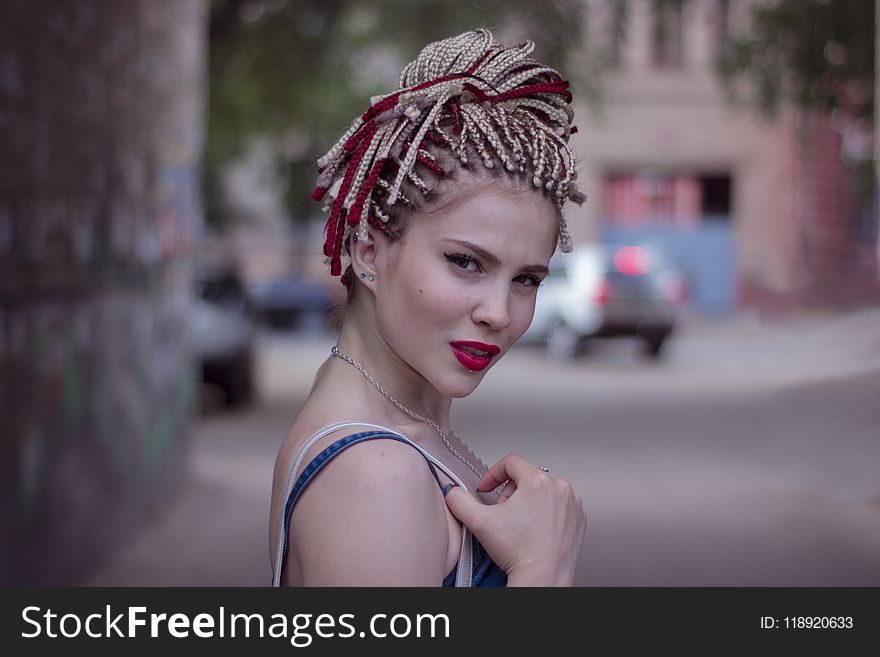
[223,332]
[602,291]
[291,301]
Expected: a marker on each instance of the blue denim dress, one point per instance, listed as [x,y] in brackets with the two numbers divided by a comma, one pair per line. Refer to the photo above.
[485,572]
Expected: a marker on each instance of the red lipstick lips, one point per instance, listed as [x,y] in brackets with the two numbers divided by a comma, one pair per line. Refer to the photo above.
[474,361]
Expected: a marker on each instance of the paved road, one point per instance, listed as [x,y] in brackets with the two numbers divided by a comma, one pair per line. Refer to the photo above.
[750,456]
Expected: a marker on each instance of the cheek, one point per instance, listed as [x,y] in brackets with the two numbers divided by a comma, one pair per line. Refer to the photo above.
[425,298]
[522,312]
[433,298]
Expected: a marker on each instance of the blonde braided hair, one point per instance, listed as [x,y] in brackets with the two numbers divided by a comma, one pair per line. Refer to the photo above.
[466,94]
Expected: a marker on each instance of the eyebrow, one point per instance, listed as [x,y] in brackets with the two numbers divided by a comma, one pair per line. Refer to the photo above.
[493,260]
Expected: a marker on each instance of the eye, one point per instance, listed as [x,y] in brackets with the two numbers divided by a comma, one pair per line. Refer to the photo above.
[529,280]
[463,262]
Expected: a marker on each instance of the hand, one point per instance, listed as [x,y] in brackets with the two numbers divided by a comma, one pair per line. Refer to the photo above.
[536,529]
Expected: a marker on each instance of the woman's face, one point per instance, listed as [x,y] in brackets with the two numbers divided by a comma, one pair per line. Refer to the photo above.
[459,289]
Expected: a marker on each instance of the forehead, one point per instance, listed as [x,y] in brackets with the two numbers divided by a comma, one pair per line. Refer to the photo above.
[512,224]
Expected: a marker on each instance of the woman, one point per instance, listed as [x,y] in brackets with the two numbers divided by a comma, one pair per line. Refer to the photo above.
[445,203]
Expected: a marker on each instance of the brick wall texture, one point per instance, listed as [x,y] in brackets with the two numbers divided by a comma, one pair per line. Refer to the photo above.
[101,111]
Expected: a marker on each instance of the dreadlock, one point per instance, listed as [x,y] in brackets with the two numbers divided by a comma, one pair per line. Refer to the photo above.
[468,95]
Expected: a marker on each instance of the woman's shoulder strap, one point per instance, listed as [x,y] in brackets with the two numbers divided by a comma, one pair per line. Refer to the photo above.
[463,577]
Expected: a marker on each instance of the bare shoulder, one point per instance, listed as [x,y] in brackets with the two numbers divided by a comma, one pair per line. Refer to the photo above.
[304,427]
[372,516]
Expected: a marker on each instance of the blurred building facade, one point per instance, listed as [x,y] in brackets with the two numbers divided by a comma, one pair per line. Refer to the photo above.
[101,108]
[757,211]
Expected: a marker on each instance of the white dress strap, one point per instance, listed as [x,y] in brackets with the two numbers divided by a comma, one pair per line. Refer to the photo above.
[464,569]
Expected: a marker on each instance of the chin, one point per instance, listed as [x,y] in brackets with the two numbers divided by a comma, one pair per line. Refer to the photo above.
[462,385]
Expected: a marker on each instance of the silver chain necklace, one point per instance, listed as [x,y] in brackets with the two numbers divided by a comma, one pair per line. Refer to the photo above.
[336,351]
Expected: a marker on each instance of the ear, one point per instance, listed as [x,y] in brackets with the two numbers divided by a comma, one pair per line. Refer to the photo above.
[366,256]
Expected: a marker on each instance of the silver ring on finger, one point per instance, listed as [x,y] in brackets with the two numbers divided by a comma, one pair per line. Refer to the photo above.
[544,468]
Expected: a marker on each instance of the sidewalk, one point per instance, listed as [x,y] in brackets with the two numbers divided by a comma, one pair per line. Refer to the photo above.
[216,533]
[798,348]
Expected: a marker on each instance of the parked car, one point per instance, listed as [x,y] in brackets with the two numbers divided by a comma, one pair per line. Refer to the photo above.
[289,302]
[223,333]
[599,291]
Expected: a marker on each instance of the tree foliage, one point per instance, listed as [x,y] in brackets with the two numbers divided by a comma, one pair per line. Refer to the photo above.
[818,54]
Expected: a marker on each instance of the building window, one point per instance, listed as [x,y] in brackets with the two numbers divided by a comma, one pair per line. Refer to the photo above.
[715,193]
[667,47]
[723,41]
[617,20]
[643,198]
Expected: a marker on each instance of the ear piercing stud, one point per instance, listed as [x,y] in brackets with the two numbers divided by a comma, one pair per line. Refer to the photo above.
[371,277]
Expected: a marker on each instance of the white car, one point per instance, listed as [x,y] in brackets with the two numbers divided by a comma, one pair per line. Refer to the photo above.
[223,333]
[601,291]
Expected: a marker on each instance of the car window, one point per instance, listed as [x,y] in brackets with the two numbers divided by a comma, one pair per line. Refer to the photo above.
[223,291]
[634,285]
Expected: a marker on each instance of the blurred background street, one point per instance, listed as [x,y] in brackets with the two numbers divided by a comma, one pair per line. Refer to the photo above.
[749,457]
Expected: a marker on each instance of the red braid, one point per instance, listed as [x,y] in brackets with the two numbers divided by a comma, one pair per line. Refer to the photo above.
[357,138]
[560,88]
[333,244]
[366,188]
[477,63]
[390,101]
[456,116]
[428,162]
[336,260]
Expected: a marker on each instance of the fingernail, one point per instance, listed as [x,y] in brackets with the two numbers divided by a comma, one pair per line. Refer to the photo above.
[447,487]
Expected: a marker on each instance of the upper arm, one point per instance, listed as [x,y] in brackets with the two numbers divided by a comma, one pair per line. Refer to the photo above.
[372,517]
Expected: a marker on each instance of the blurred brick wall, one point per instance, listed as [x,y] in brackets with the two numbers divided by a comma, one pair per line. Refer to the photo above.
[838,264]
[101,105]
[841,266]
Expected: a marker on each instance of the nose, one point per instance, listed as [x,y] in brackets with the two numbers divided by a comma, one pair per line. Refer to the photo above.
[492,309]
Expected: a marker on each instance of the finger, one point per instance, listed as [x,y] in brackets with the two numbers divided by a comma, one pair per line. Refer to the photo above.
[506,491]
[464,506]
[511,467]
